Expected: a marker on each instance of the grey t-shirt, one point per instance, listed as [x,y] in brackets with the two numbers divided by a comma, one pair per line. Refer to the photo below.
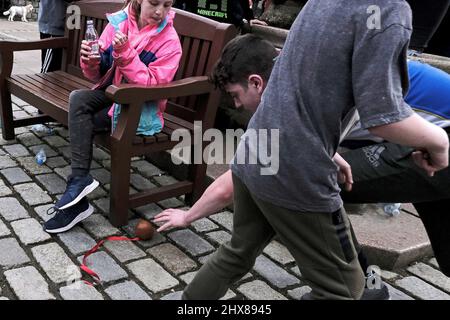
[339,54]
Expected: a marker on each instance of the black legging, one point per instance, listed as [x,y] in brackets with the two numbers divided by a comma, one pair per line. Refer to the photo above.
[427,16]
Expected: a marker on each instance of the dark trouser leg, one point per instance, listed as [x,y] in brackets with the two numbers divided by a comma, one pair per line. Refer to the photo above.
[84,104]
[427,16]
[436,219]
[251,233]
[51,59]
[323,248]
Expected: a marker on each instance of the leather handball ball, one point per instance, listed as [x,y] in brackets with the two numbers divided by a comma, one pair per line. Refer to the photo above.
[144,230]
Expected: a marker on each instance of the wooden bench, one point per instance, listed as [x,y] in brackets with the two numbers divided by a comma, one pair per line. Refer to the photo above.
[191,98]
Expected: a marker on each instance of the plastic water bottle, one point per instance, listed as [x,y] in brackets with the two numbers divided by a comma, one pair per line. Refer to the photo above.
[92,37]
[40,128]
[392,209]
[41,157]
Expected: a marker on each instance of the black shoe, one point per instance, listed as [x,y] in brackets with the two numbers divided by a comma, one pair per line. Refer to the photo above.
[77,188]
[66,219]
[369,294]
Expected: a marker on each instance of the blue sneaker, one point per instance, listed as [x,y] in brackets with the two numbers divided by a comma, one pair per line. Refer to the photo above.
[77,188]
[66,219]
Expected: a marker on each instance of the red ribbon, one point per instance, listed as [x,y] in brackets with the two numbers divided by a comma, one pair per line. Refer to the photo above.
[89,271]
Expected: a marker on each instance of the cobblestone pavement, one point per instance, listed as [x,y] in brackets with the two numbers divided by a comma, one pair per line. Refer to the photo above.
[36,265]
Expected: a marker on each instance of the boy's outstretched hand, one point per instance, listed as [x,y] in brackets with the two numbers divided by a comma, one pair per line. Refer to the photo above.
[172,218]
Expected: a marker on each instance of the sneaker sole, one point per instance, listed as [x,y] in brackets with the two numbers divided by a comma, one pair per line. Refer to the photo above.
[88,189]
[79,218]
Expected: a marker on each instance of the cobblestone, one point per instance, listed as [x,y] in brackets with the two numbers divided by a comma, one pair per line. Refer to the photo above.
[11,254]
[4,190]
[421,289]
[204,225]
[11,209]
[99,226]
[105,267]
[4,231]
[56,264]
[190,241]
[29,139]
[155,240]
[80,291]
[273,273]
[55,141]
[171,203]
[140,183]
[149,211]
[52,183]
[297,293]
[259,290]
[225,219]
[49,152]
[16,150]
[172,258]
[56,162]
[102,175]
[146,168]
[29,231]
[28,284]
[127,290]
[32,193]
[124,250]
[278,252]
[15,175]
[6,162]
[431,275]
[77,240]
[152,275]
[219,237]
[30,165]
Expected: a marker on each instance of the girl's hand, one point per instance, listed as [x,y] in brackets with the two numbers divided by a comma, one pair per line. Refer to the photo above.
[171,218]
[86,57]
[119,39]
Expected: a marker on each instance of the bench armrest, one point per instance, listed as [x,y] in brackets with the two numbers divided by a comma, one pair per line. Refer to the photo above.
[11,46]
[129,93]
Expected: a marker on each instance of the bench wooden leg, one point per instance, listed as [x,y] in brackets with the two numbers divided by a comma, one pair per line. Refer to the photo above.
[120,183]
[197,174]
[6,114]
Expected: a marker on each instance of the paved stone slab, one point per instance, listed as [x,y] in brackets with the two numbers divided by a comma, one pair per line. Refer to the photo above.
[431,275]
[278,252]
[42,212]
[140,183]
[127,290]
[56,162]
[52,183]
[165,180]
[273,273]
[56,264]
[105,266]
[421,289]
[101,175]
[77,240]
[32,194]
[190,241]
[395,294]
[297,293]
[28,284]
[149,211]
[99,192]
[124,250]
[380,237]
[64,172]
[11,209]
[146,168]
[49,152]
[296,270]
[29,231]
[99,226]
[171,203]
[15,175]
[434,263]
[4,190]
[30,166]
[20,115]
[80,291]
[99,154]
[225,219]
[387,275]
[31,110]
[259,290]
[173,296]
[152,275]
[204,225]
[4,231]
[188,277]
[172,258]
[7,162]
[219,237]
[16,150]
[56,141]
[29,139]
[11,254]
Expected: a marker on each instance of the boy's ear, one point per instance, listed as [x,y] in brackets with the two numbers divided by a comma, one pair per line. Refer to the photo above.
[255,80]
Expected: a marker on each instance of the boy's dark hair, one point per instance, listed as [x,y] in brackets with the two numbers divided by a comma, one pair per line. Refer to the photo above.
[241,57]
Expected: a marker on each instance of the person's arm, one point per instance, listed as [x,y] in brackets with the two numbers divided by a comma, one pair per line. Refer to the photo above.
[216,197]
[345,176]
[430,141]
